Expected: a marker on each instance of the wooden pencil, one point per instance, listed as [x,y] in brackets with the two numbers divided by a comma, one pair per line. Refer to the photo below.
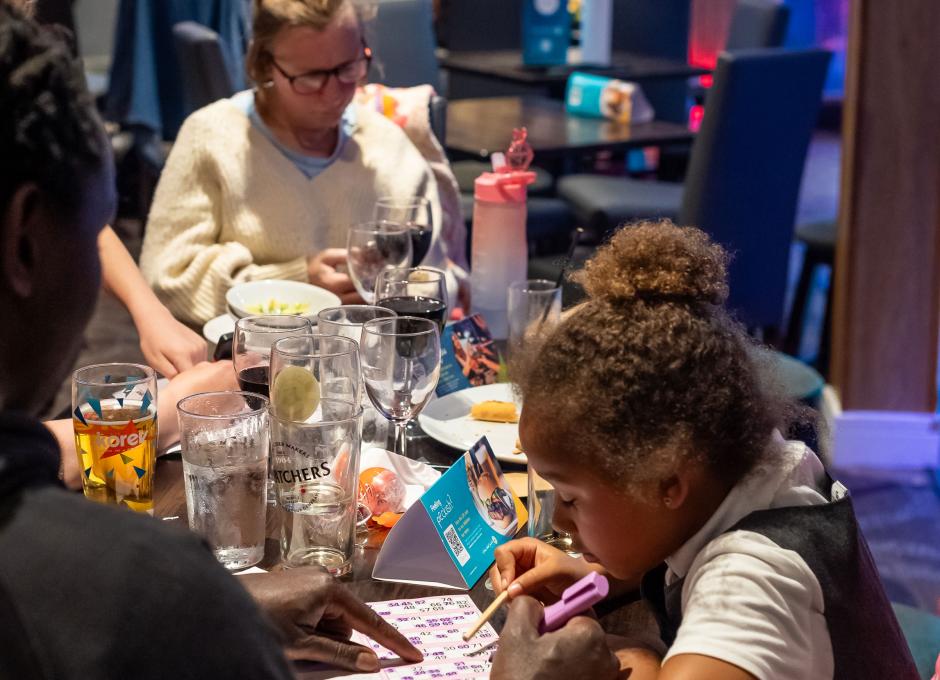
[487,615]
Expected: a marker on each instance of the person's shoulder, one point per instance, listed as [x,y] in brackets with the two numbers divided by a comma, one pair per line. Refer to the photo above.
[751,603]
[131,568]
[215,121]
[750,556]
[68,516]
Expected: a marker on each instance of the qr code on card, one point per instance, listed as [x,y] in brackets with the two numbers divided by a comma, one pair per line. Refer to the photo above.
[456,545]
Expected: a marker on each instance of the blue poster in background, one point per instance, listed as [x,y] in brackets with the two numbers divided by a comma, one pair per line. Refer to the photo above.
[448,538]
[546,32]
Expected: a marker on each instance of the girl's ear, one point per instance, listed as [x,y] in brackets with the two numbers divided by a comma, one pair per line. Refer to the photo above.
[674,491]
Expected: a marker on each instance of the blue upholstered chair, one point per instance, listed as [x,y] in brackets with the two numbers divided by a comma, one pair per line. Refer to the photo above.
[656,28]
[757,24]
[202,65]
[402,41]
[472,25]
[744,174]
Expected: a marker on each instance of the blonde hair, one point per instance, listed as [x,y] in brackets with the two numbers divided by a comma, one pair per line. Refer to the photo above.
[270,16]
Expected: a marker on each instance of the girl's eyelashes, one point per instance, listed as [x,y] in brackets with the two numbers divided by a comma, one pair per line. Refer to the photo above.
[566,502]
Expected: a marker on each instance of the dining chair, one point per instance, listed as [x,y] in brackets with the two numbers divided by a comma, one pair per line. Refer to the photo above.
[656,28]
[402,40]
[744,175]
[478,25]
[202,64]
[757,24]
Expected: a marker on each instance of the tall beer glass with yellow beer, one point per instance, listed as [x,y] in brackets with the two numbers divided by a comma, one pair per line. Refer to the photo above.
[114,412]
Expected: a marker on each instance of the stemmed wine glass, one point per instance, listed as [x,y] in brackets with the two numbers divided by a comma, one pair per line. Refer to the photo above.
[414,213]
[414,291]
[251,346]
[401,364]
[373,247]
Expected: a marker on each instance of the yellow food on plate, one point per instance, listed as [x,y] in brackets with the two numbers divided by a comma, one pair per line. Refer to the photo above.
[273,306]
[495,412]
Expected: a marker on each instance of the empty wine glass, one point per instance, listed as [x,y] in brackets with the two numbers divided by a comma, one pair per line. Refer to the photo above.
[414,213]
[401,364]
[373,247]
[414,291]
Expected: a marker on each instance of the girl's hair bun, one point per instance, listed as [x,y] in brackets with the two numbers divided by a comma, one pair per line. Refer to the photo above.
[658,261]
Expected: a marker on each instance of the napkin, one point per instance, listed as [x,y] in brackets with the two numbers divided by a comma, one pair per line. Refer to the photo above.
[417,477]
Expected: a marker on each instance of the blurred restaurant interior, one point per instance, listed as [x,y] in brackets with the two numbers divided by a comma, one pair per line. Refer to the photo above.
[799,135]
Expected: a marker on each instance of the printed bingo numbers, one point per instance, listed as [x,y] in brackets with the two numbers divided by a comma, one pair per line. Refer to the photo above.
[435,625]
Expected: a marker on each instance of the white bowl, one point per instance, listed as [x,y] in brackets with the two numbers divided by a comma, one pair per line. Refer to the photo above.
[241,296]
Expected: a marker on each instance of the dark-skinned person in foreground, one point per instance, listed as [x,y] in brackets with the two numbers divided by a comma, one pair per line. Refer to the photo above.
[87,590]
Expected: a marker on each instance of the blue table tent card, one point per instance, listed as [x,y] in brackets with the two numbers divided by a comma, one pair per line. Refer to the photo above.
[448,537]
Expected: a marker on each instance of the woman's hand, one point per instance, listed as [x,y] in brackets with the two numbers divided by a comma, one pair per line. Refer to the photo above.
[169,347]
[322,271]
[316,615]
[535,568]
[577,650]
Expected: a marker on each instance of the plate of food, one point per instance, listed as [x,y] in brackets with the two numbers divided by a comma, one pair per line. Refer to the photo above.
[459,419]
[255,298]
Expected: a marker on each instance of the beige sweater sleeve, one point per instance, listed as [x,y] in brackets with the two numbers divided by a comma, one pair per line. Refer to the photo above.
[182,258]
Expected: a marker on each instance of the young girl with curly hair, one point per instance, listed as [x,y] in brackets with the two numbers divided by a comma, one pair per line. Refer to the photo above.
[646,411]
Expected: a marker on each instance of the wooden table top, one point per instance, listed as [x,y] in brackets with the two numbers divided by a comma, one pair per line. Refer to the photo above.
[170,502]
[478,127]
[507,65]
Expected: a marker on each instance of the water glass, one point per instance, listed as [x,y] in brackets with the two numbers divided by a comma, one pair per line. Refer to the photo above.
[114,416]
[401,364]
[308,368]
[534,306]
[316,475]
[414,291]
[541,507]
[373,247]
[415,213]
[225,438]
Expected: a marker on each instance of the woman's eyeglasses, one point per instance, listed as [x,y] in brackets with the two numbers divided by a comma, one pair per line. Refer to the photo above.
[312,82]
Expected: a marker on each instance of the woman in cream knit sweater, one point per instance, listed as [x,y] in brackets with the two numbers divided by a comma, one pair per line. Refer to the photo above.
[266,184]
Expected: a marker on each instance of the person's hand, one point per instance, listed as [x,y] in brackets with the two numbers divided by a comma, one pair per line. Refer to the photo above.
[322,271]
[577,650]
[316,615]
[535,568]
[203,377]
[169,347]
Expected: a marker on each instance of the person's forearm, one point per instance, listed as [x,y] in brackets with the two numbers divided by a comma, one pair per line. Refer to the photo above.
[121,277]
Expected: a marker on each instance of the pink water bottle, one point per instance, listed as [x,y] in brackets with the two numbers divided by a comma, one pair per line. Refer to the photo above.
[499,251]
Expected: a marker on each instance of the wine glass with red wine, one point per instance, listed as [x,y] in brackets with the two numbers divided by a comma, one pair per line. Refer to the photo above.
[414,213]
[414,291]
[251,346]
